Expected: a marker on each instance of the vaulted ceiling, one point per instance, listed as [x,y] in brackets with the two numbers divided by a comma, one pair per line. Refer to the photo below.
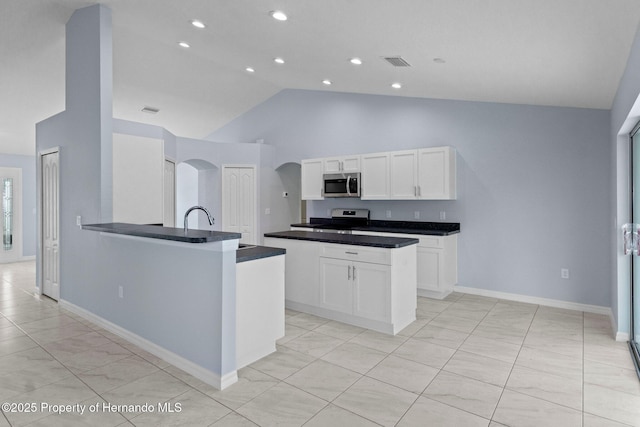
[562,53]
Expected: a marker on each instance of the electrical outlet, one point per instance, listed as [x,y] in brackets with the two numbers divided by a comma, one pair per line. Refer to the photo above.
[416,214]
[564,273]
[267,211]
[120,292]
[443,215]
[388,214]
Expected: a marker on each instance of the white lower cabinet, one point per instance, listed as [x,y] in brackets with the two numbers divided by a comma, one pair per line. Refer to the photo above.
[336,287]
[370,287]
[372,293]
[358,288]
[437,262]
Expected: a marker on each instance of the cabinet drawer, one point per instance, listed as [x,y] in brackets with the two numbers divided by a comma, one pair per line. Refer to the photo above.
[357,253]
[431,242]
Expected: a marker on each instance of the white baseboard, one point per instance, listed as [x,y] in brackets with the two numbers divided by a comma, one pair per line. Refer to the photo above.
[597,309]
[28,258]
[617,335]
[203,374]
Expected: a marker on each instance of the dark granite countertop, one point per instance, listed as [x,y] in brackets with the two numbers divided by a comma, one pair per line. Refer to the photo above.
[164,233]
[251,253]
[346,239]
[404,227]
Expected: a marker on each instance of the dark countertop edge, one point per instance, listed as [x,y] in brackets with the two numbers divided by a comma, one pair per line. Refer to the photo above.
[257,252]
[162,233]
[346,239]
[387,229]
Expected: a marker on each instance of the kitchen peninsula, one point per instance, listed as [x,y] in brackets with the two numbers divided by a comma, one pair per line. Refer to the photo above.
[367,281]
[190,297]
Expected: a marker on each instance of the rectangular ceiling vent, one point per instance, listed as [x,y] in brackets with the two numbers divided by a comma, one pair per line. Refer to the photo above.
[150,110]
[396,61]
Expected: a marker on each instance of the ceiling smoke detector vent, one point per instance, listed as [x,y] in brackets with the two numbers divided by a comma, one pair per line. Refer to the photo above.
[396,61]
[150,110]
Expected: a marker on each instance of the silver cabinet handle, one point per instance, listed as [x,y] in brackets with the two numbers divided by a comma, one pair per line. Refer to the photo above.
[349,273]
[354,272]
[415,190]
[419,191]
[351,253]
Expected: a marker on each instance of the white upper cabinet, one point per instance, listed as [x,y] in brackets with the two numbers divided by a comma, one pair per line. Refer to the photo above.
[342,164]
[437,173]
[375,177]
[404,174]
[421,174]
[311,177]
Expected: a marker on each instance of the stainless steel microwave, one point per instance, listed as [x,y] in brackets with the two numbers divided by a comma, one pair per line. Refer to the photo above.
[341,185]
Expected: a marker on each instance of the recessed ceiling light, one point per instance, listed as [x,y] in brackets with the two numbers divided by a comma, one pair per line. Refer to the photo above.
[249,70]
[439,60]
[198,24]
[278,15]
[278,60]
[184,44]
[396,85]
[326,82]
[356,61]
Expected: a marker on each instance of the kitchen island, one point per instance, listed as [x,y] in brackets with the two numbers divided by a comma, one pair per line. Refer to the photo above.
[176,295]
[437,248]
[367,281]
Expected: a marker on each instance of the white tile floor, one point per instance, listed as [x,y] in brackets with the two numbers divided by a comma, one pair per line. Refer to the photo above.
[466,361]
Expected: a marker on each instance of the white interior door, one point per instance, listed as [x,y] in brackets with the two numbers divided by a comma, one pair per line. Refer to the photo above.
[238,202]
[50,225]
[169,216]
[11,189]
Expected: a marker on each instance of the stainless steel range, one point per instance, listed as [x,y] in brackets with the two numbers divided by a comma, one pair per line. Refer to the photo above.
[343,219]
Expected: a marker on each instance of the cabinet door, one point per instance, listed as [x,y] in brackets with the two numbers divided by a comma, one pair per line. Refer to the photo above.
[404,171]
[429,268]
[351,164]
[311,177]
[372,289]
[436,173]
[332,165]
[336,288]
[375,176]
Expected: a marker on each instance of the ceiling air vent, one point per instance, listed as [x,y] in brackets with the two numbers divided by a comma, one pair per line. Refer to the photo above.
[396,61]
[150,110]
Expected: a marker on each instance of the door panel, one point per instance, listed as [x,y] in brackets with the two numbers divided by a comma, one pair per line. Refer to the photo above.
[635,268]
[11,191]
[50,226]
[238,202]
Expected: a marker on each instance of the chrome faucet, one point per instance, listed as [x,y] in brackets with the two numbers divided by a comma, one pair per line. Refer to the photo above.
[186,216]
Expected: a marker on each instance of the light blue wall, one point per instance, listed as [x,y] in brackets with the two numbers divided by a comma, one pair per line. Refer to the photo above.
[28,166]
[533,182]
[93,266]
